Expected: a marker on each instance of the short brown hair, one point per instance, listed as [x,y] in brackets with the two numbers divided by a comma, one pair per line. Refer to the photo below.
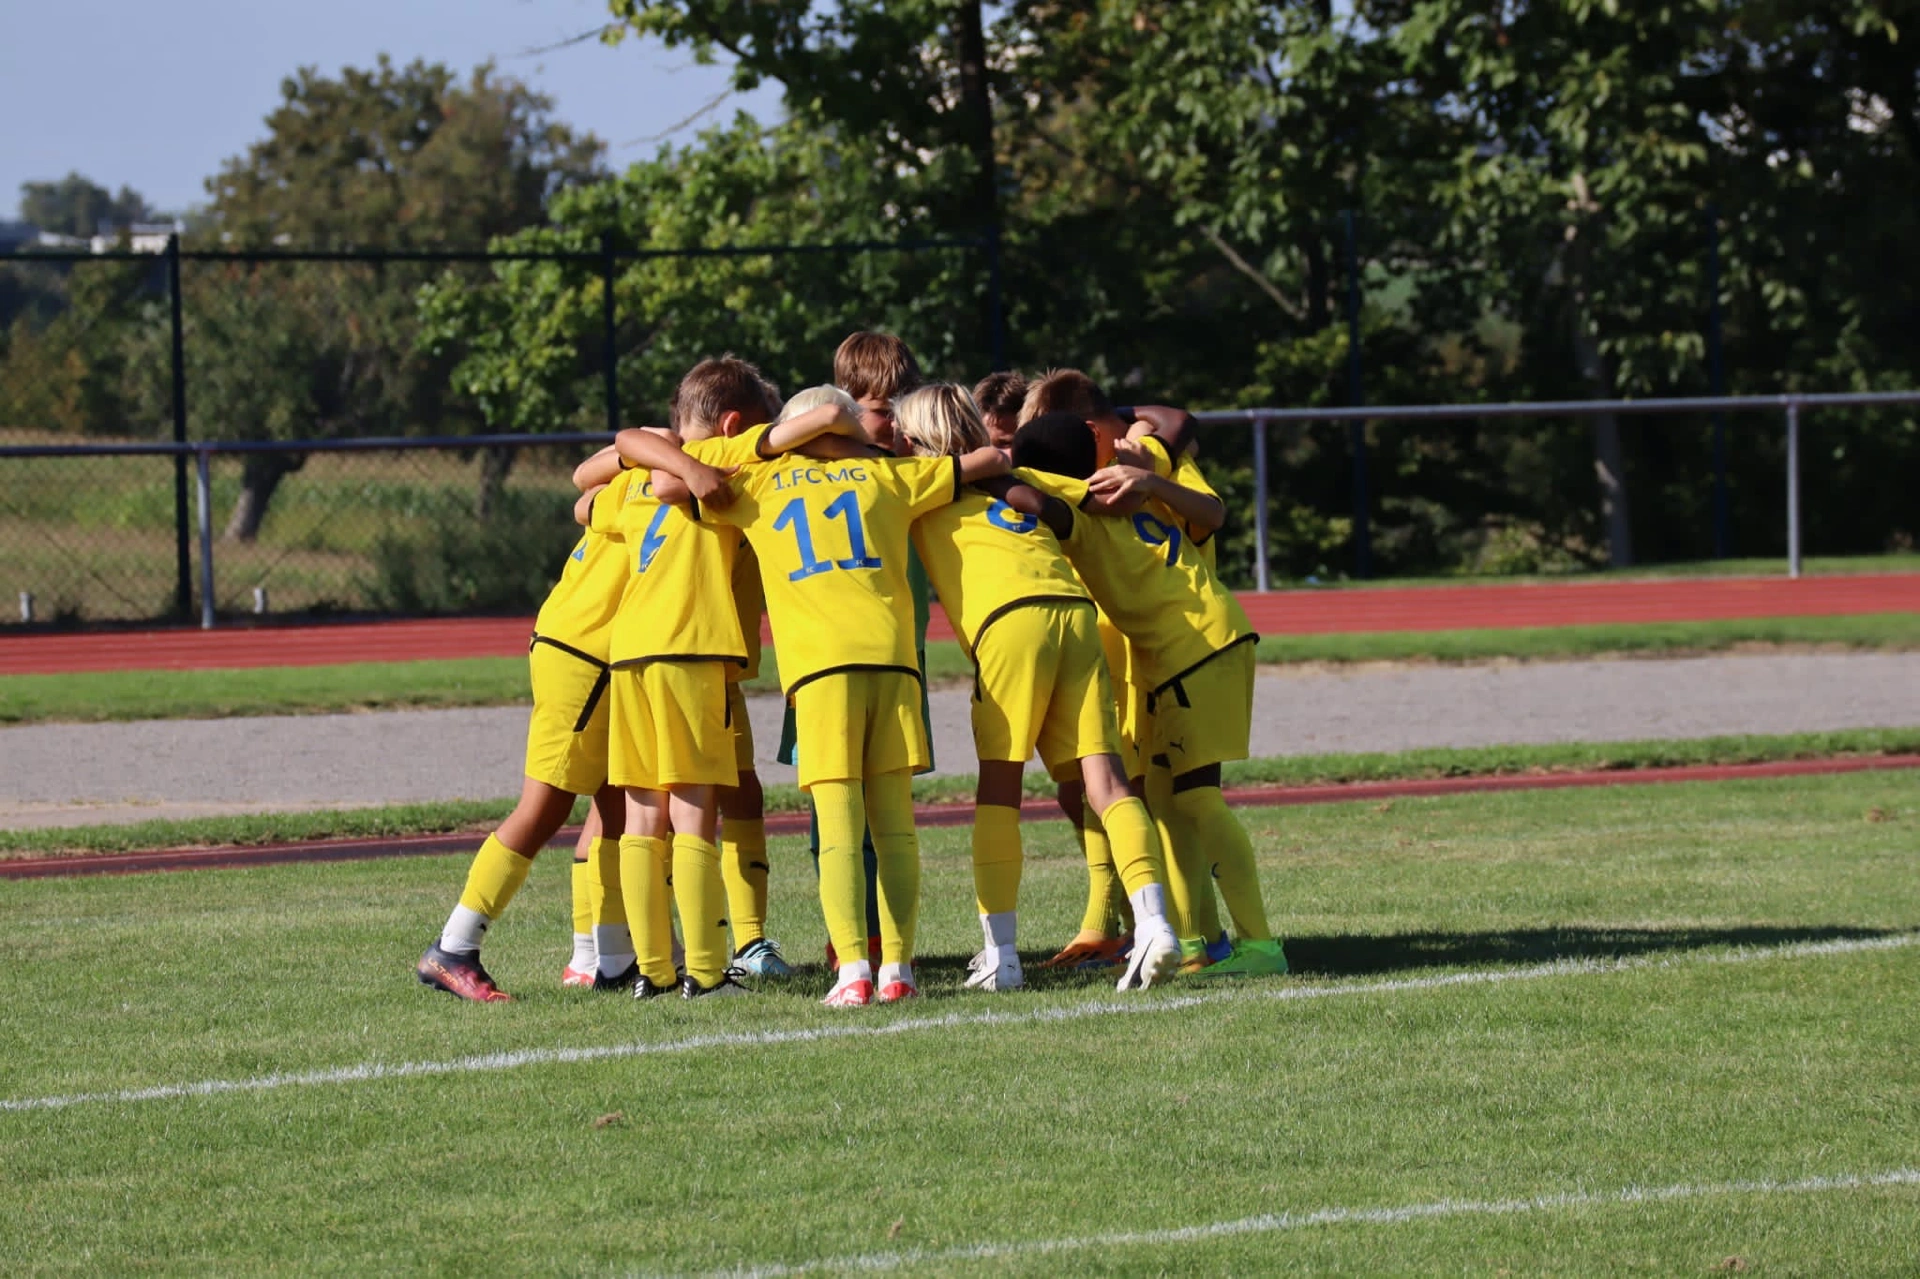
[717,386]
[874,366]
[1064,391]
[1000,392]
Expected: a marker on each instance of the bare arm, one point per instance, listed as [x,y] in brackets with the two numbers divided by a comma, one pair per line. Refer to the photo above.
[598,469]
[1202,513]
[660,452]
[1174,426]
[817,422]
[668,488]
[583,507]
[983,464]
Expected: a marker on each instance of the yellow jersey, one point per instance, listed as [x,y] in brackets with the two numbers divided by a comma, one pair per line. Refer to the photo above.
[579,611]
[1185,472]
[1146,576]
[678,603]
[984,558]
[831,538]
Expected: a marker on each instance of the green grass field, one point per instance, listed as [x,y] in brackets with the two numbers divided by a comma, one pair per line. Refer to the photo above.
[1660,1029]
[498,681]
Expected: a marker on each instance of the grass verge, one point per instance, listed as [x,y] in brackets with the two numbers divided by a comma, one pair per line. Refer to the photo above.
[1728,1003]
[501,681]
[1295,770]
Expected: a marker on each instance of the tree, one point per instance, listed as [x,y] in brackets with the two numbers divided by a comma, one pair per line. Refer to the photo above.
[76,206]
[392,158]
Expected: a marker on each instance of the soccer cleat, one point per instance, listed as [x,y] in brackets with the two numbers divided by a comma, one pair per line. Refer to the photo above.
[643,988]
[760,958]
[1250,959]
[690,988]
[1156,956]
[857,993]
[458,975]
[895,991]
[571,976]
[1219,948]
[622,980]
[989,971]
[1193,955]
[1090,950]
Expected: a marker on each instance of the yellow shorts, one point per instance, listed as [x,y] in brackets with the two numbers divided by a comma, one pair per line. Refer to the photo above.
[742,729]
[1136,730]
[670,726]
[1042,681]
[858,724]
[567,736]
[1206,716]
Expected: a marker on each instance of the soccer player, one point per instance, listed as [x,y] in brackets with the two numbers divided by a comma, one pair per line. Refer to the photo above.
[1040,681]
[1192,646]
[831,537]
[999,396]
[566,756]
[673,747]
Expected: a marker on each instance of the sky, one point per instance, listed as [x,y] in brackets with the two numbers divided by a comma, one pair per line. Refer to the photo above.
[155,96]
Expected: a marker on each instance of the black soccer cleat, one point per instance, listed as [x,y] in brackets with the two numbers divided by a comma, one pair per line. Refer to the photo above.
[622,980]
[643,988]
[690,988]
[459,975]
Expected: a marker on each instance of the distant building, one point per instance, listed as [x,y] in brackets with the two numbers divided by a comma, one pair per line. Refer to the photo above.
[140,237]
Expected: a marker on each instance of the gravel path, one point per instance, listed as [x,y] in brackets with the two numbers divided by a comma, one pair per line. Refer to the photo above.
[73,774]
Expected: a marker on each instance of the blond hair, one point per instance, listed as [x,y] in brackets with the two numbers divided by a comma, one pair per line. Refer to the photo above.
[1064,391]
[941,420]
[813,397]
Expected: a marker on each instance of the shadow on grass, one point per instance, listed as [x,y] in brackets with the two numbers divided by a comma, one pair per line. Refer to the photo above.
[1403,952]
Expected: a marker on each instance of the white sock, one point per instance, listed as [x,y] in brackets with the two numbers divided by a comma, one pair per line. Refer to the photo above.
[890,973]
[585,954]
[464,930]
[999,927]
[613,946]
[1149,903]
[858,970]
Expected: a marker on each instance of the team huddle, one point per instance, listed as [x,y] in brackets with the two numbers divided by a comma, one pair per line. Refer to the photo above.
[1070,544]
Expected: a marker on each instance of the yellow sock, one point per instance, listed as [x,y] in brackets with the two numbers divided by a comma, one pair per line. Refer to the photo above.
[996,858]
[1136,845]
[583,896]
[897,847]
[1203,812]
[839,810]
[701,896]
[495,876]
[1190,904]
[609,907]
[643,883]
[1098,917]
[743,863]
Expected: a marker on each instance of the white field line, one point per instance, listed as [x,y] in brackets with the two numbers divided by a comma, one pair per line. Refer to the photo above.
[1268,1223]
[367,1072]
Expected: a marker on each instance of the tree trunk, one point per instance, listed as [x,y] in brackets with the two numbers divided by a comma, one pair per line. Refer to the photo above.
[1609,465]
[260,477]
[495,464]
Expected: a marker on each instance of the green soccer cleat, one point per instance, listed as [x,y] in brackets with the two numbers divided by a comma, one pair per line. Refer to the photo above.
[1251,959]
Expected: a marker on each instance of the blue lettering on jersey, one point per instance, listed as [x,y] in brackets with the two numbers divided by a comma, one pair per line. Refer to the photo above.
[796,476]
[1154,533]
[652,540]
[1003,516]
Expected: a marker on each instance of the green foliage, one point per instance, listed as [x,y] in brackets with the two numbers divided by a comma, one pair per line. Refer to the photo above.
[75,205]
[459,565]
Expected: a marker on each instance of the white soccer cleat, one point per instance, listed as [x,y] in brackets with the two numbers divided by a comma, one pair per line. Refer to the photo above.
[995,968]
[1155,957]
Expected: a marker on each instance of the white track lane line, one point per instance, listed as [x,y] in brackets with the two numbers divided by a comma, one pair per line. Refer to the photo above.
[1269,1223]
[368,1072]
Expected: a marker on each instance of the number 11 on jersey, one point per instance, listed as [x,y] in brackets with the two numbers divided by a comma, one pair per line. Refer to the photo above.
[846,507]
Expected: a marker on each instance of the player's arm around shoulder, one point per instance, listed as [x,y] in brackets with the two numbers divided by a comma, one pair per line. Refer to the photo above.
[662,453]
[1028,500]
[583,507]
[598,470]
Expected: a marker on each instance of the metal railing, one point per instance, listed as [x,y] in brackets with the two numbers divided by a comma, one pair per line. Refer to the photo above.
[1789,405]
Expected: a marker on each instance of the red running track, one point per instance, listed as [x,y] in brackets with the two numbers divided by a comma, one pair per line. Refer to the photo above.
[1295,612]
[339,850]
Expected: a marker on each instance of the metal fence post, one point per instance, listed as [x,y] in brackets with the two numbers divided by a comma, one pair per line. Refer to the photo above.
[1717,385]
[1356,396]
[183,579]
[609,355]
[205,495]
[996,310]
[1260,578]
[1793,487]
